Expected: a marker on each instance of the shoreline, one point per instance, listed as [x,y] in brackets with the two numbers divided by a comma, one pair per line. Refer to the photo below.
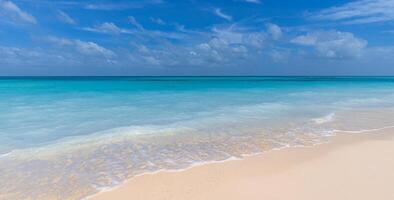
[128,190]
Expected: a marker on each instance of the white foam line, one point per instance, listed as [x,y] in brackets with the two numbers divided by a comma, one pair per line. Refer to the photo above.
[5,154]
[365,130]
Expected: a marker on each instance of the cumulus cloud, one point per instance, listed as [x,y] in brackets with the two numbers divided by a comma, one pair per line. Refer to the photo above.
[228,45]
[12,12]
[332,44]
[233,44]
[274,30]
[219,13]
[359,12]
[64,17]
[220,46]
[235,36]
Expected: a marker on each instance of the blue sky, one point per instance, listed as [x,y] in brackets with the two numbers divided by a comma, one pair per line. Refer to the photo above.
[190,37]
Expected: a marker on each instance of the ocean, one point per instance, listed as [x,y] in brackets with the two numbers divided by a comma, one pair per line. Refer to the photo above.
[71,137]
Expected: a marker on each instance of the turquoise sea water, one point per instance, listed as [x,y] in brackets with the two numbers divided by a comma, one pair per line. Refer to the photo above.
[70,137]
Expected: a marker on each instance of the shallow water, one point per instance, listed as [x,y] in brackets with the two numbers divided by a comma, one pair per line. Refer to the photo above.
[67,138]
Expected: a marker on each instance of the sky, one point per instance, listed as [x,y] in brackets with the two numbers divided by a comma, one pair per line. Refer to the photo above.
[191,37]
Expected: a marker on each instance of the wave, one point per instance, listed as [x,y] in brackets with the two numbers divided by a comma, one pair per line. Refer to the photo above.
[6,154]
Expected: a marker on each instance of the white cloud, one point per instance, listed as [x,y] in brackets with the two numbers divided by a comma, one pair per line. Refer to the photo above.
[228,34]
[230,45]
[34,57]
[332,44]
[59,41]
[359,12]
[108,28]
[86,48]
[11,11]
[255,39]
[64,17]
[250,37]
[134,22]
[158,21]
[9,54]
[219,13]
[217,47]
[139,31]
[91,48]
[274,30]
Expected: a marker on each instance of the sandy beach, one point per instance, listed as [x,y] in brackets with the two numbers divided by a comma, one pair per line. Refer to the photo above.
[351,166]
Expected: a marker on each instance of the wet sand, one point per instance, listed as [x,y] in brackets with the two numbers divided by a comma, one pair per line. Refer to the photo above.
[351,166]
